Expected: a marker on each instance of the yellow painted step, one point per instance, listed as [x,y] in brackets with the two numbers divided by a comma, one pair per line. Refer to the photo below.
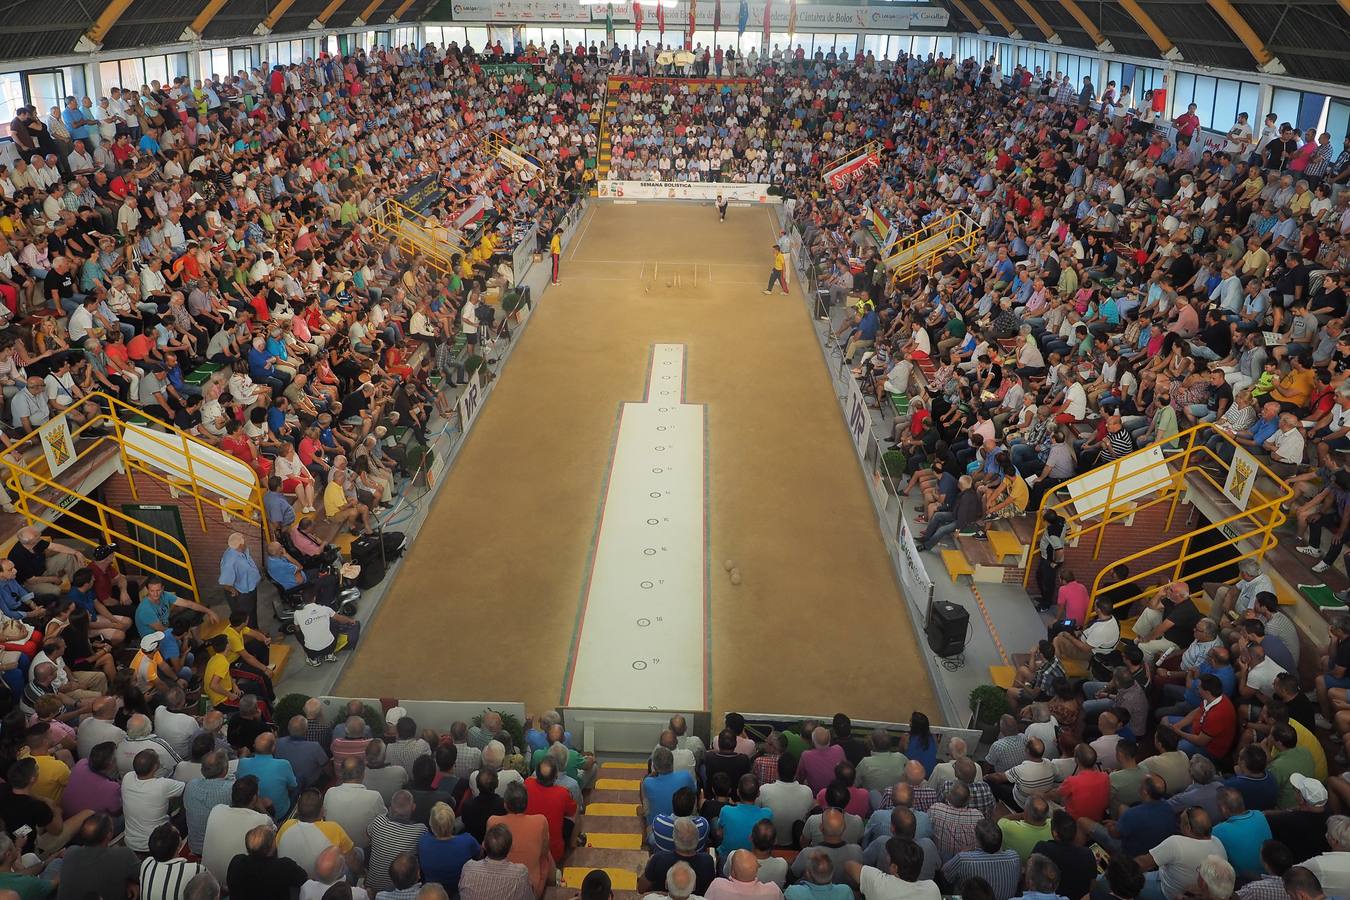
[624,765]
[618,784]
[1005,544]
[619,879]
[957,564]
[612,809]
[1002,676]
[614,841]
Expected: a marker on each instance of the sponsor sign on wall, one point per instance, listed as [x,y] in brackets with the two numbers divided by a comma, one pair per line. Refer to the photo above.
[685,190]
[810,17]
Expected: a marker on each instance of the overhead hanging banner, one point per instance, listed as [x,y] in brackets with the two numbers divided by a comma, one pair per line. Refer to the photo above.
[810,16]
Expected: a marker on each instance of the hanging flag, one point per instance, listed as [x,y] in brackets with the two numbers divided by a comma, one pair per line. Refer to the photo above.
[637,17]
[792,16]
[743,17]
[609,25]
[717,16]
[768,8]
[661,19]
[689,35]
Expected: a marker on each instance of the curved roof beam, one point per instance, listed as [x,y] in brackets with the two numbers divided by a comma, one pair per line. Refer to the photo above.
[368,12]
[1145,21]
[321,20]
[975,20]
[266,25]
[1039,21]
[1002,20]
[403,7]
[1266,61]
[92,40]
[194,31]
[1093,32]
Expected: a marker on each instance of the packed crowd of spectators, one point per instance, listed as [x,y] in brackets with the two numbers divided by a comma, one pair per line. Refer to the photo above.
[1060,804]
[229,223]
[1126,285]
[207,252]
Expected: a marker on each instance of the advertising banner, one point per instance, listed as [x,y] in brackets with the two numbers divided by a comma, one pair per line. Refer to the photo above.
[840,176]
[470,402]
[913,574]
[685,190]
[423,195]
[809,16]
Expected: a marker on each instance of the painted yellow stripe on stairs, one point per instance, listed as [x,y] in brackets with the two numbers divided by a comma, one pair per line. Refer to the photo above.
[618,784]
[624,765]
[614,841]
[619,879]
[611,809]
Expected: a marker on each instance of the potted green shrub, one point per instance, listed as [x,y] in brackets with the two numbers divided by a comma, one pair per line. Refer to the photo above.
[988,704]
[288,707]
[511,303]
[895,464]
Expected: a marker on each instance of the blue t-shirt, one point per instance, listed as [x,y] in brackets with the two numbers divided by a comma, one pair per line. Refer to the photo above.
[1145,826]
[660,789]
[85,601]
[280,570]
[925,753]
[150,614]
[276,780]
[736,822]
[1242,837]
[442,861]
[1258,793]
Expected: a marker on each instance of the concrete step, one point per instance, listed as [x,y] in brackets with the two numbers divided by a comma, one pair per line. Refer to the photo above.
[590,822]
[618,784]
[603,858]
[613,798]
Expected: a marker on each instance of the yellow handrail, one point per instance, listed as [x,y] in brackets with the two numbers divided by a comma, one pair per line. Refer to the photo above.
[1261,516]
[27,483]
[853,154]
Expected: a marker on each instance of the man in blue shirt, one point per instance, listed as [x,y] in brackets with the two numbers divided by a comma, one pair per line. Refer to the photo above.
[307,757]
[239,576]
[152,614]
[658,788]
[16,601]
[1144,826]
[1258,787]
[276,779]
[1242,832]
[280,511]
[738,820]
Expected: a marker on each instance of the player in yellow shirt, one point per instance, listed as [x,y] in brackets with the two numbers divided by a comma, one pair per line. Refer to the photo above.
[216,679]
[779,264]
[555,253]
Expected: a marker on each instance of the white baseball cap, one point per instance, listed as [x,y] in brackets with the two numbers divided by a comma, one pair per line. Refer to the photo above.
[1313,791]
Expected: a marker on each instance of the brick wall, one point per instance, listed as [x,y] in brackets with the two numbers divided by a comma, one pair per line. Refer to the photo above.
[1121,540]
[204,546]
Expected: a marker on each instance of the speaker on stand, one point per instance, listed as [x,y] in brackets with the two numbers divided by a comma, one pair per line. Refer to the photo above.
[947,628]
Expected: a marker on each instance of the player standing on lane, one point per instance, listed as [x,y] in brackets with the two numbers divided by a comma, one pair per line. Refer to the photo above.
[555,251]
[779,264]
[721,208]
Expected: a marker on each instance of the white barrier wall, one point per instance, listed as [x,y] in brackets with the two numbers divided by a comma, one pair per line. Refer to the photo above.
[685,190]
[176,456]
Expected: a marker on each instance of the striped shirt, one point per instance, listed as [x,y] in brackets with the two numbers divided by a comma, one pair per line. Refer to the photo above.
[467,761]
[389,838]
[766,768]
[200,797]
[167,880]
[1031,777]
[1001,870]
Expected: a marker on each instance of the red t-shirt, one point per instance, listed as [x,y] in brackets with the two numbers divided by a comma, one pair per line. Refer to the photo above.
[1085,794]
[139,347]
[1220,723]
[555,804]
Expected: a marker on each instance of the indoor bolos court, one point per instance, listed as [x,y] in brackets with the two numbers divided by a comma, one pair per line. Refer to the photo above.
[659,507]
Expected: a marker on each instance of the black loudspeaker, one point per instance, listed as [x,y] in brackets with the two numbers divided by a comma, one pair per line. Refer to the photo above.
[946,628]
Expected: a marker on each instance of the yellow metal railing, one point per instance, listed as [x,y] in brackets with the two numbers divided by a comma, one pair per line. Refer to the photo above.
[955,231]
[158,456]
[869,147]
[413,232]
[1088,514]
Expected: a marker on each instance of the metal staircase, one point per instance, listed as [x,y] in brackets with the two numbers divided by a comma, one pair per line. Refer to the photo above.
[955,232]
[1240,504]
[52,475]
